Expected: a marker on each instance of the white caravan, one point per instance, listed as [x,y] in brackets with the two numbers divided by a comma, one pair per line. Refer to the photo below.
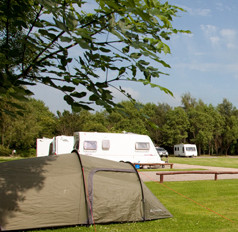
[130,147]
[188,150]
[42,146]
[61,145]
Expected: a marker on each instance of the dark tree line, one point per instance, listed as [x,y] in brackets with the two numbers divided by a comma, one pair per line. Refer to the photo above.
[213,129]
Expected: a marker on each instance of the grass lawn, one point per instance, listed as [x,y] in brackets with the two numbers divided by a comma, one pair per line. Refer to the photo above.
[220,196]
[5,159]
[217,161]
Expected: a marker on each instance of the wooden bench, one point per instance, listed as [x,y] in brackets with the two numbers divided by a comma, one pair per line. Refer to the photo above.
[155,164]
[162,174]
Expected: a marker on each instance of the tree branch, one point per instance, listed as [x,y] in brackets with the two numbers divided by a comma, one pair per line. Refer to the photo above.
[25,72]
[31,28]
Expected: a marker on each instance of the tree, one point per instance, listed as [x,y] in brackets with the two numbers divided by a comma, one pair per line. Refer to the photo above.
[129,120]
[20,132]
[122,39]
[229,114]
[201,127]
[67,123]
[157,115]
[188,101]
[176,127]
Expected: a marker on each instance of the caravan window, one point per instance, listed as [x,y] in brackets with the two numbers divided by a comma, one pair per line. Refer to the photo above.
[190,149]
[90,145]
[105,144]
[142,146]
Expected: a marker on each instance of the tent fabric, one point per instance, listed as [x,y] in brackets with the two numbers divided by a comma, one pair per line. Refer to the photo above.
[60,190]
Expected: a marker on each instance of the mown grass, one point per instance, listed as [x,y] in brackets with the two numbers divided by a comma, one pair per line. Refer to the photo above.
[5,159]
[219,196]
[224,161]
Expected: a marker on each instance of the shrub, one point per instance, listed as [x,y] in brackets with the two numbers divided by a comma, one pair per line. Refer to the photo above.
[28,153]
[5,151]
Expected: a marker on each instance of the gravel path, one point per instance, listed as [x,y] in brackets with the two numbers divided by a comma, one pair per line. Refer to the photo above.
[151,176]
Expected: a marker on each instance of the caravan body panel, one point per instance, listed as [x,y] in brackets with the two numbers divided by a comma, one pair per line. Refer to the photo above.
[130,147]
[61,145]
[42,146]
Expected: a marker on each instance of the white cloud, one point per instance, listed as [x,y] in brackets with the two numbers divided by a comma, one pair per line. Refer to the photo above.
[209,29]
[198,11]
[225,37]
[229,37]
[226,68]
[202,12]
[229,34]
[215,40]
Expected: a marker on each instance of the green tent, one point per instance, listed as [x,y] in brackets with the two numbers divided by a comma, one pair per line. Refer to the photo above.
[73,190]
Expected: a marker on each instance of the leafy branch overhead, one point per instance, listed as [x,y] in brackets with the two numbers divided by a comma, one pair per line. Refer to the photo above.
[83,48]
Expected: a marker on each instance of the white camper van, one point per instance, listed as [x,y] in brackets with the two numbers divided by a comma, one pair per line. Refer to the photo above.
[42,146]
[130,147]
[188,150]
[61,145]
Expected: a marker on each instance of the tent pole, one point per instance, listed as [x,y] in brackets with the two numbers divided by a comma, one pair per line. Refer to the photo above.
[84,185]
[142,192]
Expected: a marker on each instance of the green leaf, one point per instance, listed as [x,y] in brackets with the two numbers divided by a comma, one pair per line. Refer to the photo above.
[67,88]
[126,49]
[60,25]
[69,99]
[78,95]
[104,49]
[146,82]
[121,71]
[135,55]
[82,43]
[65,39]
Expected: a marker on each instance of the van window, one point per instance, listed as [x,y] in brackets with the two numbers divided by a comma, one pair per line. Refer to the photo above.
[105,144]
[190,149]
[142,146]
[90,145]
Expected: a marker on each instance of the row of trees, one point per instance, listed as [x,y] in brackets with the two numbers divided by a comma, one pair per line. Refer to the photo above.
[213,129]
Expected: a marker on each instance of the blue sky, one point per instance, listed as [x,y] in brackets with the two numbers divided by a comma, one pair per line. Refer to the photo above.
[203,63]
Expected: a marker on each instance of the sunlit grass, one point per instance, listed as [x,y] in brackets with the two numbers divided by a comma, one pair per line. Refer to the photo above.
[228,162]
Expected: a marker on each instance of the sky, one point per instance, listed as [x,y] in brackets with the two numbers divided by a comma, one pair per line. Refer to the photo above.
[203,63]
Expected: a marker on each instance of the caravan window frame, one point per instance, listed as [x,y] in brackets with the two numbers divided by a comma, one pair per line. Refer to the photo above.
[142,146]
[190,149]
[90,145]
[106,144]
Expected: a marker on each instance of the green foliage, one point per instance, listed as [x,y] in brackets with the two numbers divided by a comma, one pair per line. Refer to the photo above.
[5,151]
[28,153]
[176,127]
[82,54]
[20,132]
[129,119]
